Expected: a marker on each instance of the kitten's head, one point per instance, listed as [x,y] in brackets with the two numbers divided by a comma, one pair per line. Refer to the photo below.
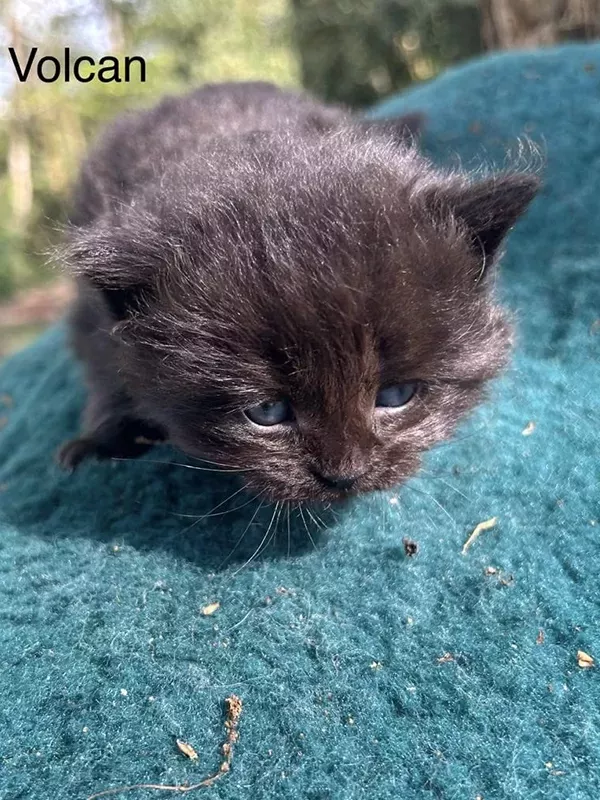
[316,312]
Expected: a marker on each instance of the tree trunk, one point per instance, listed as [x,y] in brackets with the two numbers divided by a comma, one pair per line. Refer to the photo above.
[19,148]
[19,175]
[508,24]
[116,26]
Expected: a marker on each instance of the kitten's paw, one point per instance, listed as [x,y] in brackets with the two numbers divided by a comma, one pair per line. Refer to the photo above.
[72,453]
[130,441]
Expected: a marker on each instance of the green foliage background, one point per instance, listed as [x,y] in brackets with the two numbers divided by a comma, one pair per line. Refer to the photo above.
[349,51]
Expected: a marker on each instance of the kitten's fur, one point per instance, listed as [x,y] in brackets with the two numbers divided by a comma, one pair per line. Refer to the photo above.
[242,244]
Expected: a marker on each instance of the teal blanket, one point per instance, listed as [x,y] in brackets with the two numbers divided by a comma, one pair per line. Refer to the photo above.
[364,672]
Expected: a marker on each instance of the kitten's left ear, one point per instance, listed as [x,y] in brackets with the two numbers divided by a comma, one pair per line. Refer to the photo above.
[489,208]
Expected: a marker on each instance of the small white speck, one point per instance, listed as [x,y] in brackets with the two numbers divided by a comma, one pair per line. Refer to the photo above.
[393,501]
[411,688]
[124,692]
[86,729]
[151,699]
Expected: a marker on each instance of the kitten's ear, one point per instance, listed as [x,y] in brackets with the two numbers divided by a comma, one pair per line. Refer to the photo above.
[489,208]
[120,264]
[403,129]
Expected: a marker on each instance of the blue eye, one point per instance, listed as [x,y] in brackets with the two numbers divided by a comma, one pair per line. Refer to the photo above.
[396,396]
[270,413]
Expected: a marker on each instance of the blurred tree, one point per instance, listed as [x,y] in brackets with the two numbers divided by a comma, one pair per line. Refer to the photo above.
[531,23]
[355,51]
[19,149]
[349,51]
[19,176]
[45,127]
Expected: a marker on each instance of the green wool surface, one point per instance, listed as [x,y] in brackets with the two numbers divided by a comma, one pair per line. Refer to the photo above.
[363,673]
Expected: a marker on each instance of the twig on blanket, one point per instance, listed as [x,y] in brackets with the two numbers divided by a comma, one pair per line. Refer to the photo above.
[232,719]
[483,526]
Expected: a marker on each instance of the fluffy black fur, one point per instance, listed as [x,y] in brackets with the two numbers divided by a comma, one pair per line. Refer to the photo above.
[243,244]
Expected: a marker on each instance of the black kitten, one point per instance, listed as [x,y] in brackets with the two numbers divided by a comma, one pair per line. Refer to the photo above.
[270,284]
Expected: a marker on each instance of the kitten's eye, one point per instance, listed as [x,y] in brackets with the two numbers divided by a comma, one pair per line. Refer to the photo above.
[270,413]
[396,396]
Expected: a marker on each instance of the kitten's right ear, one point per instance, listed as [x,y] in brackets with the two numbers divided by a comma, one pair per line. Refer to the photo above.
[403,130]
[487,209]
[122,266]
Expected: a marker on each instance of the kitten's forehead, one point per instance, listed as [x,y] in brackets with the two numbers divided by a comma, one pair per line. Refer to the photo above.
[325,292]
[309,334]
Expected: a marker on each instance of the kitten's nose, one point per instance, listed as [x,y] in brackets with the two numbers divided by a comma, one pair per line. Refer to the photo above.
[343,482]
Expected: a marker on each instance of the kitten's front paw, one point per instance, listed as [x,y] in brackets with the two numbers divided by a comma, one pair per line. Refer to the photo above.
[72,453]
[130,441]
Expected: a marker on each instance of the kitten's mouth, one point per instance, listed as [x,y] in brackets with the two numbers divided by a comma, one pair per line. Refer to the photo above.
[324,492]
[341,484]
[315,491]
[309,487]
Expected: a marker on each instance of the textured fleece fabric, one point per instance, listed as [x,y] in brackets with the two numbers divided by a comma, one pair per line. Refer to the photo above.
[364,673]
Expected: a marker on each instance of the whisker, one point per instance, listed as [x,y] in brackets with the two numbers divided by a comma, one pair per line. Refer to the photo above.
[438,504]
[274,534]
[258,550]
[211,512]
[281,510]
[246,529]
[306,526]
[204,516]
[312,516]
[177,464]
[458,438]
[217,464]
[218,513]
[446,483]
[323,523]
[289,533]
